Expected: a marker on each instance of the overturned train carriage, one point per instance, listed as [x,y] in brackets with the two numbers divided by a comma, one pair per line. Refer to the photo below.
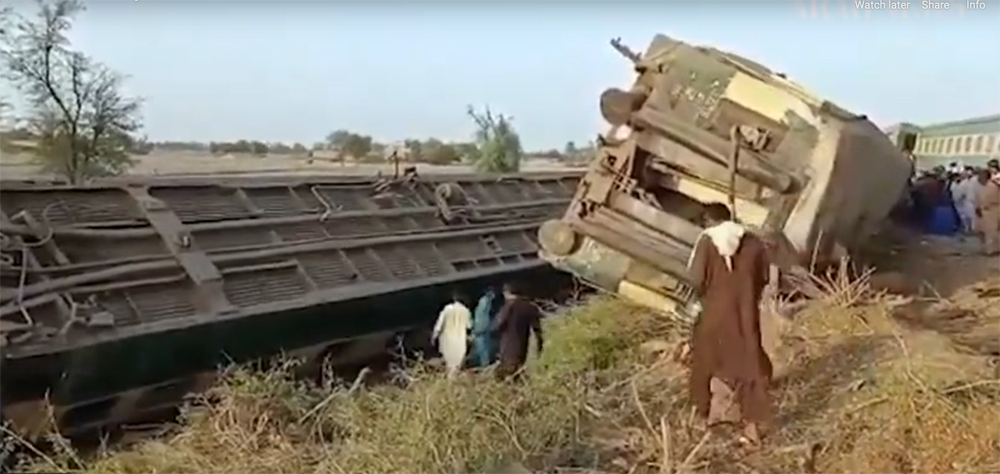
[119,299]
[701,125]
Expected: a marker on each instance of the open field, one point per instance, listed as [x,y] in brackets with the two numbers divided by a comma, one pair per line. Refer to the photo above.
[873,374]
[20,166]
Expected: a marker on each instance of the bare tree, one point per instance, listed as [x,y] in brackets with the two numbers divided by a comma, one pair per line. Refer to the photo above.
[498,146]
[5,108]
[83,122]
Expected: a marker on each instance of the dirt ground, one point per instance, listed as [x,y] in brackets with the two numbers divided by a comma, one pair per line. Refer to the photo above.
[896,370]
[924,337]
[955,289]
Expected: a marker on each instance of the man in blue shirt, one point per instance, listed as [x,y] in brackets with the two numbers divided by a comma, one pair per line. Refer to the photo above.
[482,320]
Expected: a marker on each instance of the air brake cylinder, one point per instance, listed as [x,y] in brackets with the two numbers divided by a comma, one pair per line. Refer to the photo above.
[557,238]
[617,105]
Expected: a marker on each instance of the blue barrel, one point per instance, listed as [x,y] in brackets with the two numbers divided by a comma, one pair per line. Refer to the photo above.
[943,220]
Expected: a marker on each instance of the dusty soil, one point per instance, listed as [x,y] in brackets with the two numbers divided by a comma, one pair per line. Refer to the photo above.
[955,289]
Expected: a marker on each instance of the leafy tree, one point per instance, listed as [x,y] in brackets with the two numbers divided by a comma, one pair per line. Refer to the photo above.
[350,144]
[378,151]
[222,147]
[438,153]
[278,148]
[357,146]
[258,148]
[82,120]
[299,149]
[570,149]
[242,146]
[466,151]
[338,138]
[181,146]
[414,149]
[498,146]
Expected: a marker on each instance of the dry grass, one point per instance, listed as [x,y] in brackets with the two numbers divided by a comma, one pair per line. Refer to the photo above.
[857,390]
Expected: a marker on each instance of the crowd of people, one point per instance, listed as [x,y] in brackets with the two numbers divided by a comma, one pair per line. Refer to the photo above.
[730,372]
[496,332]
[959,199]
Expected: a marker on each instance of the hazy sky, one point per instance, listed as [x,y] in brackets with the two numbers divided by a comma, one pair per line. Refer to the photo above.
[295,70]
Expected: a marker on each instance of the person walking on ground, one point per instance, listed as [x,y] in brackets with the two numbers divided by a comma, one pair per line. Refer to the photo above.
[964,193]
[482,321]
[452,334]
[988,212]
[518,318]
[928,194]
[729,271]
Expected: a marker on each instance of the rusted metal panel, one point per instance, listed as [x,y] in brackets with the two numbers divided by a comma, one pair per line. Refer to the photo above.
[88,269]
[190,250]
[700,125]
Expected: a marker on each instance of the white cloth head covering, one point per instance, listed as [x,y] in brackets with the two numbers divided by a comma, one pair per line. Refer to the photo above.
[726,237]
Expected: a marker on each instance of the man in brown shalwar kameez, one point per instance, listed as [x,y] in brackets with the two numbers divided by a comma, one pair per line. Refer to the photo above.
[515,322]
[729,270]
[988,211]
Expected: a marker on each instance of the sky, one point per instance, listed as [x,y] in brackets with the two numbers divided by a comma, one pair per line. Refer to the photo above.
[295,70]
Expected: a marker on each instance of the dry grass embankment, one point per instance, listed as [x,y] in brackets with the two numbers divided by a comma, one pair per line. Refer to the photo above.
[857,392]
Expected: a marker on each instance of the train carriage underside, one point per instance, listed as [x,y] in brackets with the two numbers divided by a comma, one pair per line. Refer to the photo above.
[119,298]
[701,125]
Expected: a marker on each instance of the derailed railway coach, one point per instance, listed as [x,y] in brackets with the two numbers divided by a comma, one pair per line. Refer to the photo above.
[120,298]
[701,125]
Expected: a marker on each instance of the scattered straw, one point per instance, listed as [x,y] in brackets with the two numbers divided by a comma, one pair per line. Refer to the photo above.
[857,391]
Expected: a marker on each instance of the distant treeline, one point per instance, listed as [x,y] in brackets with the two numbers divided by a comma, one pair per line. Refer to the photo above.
[254,147]
[341,144]
[345,144]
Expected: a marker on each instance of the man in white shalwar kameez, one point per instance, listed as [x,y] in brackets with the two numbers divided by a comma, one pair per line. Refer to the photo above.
[452,334]
[964,195]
